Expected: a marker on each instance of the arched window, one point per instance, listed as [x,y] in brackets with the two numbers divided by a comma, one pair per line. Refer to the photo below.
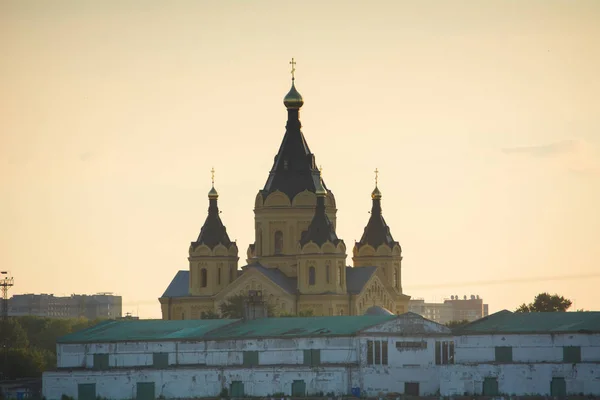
[339,276]
[327,272]
[278,242]
[395,281]
[203,277]
[311,276]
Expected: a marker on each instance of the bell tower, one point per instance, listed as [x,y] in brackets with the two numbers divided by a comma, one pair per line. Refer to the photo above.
[284,208]
[213,256]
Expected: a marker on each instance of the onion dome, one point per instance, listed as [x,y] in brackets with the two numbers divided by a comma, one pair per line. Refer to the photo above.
[321,229]
[293,100]
[377,232]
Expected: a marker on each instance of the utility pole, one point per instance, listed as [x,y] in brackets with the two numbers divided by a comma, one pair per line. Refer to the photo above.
[6,282]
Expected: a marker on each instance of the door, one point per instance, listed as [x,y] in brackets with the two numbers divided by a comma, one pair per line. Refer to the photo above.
[558,387]
[490,387]
[86,391]
[411,388]
[299,389]
[236,389]
[145,391]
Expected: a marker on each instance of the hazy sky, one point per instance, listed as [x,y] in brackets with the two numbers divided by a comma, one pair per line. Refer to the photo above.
[483,118]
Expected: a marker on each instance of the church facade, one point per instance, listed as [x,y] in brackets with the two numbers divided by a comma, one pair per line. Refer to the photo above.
[297,261]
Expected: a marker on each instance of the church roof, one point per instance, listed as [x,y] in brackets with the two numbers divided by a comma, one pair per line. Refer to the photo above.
[213,231]
[294,169]
[377,310]
[179,286]
[285,282]
[377,231]
[321,229]
[357,278]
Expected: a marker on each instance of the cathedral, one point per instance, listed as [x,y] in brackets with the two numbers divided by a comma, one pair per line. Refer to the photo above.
[297,261]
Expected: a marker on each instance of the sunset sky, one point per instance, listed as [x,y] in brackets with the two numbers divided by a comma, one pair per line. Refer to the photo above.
[483,119]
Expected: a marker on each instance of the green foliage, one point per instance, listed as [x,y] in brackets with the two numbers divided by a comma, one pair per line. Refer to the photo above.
[456,324]
[209,315]
[32,343]
[545,302]
[234,307]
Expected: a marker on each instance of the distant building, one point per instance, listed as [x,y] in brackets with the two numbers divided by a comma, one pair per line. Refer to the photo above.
[101,305]
[453,309]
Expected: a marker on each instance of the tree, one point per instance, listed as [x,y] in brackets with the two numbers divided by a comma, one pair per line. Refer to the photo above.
[457,324]
[545,302]
[209,315]
[234,307]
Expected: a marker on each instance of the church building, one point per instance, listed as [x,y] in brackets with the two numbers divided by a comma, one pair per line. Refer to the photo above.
[297,261]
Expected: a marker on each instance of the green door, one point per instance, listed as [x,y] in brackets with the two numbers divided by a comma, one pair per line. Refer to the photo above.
[490,387]
[145,391]
[236,389]
[86,391]
[298,389]
[558,387]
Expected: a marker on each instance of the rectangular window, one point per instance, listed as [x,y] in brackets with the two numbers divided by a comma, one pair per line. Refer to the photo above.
[101,361]
[312,357]
[504,354]
[444,353]
[160,360]
[369,352]
[250,358]
[572,354]
[377,352]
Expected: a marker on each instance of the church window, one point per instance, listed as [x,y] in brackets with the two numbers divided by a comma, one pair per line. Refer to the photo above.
[219,276]
[395,278]
[311,276]
[339,276]
[278,242]
[327,272]
[203,277]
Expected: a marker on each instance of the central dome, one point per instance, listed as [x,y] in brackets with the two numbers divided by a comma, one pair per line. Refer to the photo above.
[293,100]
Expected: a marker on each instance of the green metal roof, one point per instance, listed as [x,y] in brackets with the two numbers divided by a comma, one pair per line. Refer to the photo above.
[299,327]
[147,329]
[216,329]
[536,322]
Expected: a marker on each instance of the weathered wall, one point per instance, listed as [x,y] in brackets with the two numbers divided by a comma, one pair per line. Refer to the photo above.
[196,382]
[526,348]
[520,379]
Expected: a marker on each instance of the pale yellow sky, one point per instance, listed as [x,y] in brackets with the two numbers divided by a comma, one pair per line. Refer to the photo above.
[483,118]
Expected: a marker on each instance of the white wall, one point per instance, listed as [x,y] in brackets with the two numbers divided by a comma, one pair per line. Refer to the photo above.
[196,382]
[520,379]
[526,348]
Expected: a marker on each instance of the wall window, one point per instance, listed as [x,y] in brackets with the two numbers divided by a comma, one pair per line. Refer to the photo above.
[327,273]
[160,360]
[311,276]
[377,352]
[278,242]
[101,361]
[219,276]
[203,277]
[339,276]
[312,357]
[572,354]
[444,353]
[395,278]
[504,354]
[250,358]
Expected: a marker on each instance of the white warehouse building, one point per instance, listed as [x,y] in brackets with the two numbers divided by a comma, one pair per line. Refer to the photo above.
[505,353]
[338,355]
[547,353]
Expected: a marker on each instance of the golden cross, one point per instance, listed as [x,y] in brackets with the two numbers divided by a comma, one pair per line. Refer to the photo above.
[321,170]
[376,176]
[293,64]
[212,176]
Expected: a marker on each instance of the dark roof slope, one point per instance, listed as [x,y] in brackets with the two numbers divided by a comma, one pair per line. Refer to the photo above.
[285,282]
[213,231]
[320,229]
[537,322]
[357,278]
[294,169]
[377,232]
[179,286]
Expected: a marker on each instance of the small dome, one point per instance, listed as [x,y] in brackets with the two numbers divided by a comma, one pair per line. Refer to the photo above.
[376,194]
[293,100]
[213,194]
[377,310]
[320,190]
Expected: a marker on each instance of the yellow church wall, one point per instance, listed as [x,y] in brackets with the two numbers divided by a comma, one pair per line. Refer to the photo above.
[322,269]
[211,270]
